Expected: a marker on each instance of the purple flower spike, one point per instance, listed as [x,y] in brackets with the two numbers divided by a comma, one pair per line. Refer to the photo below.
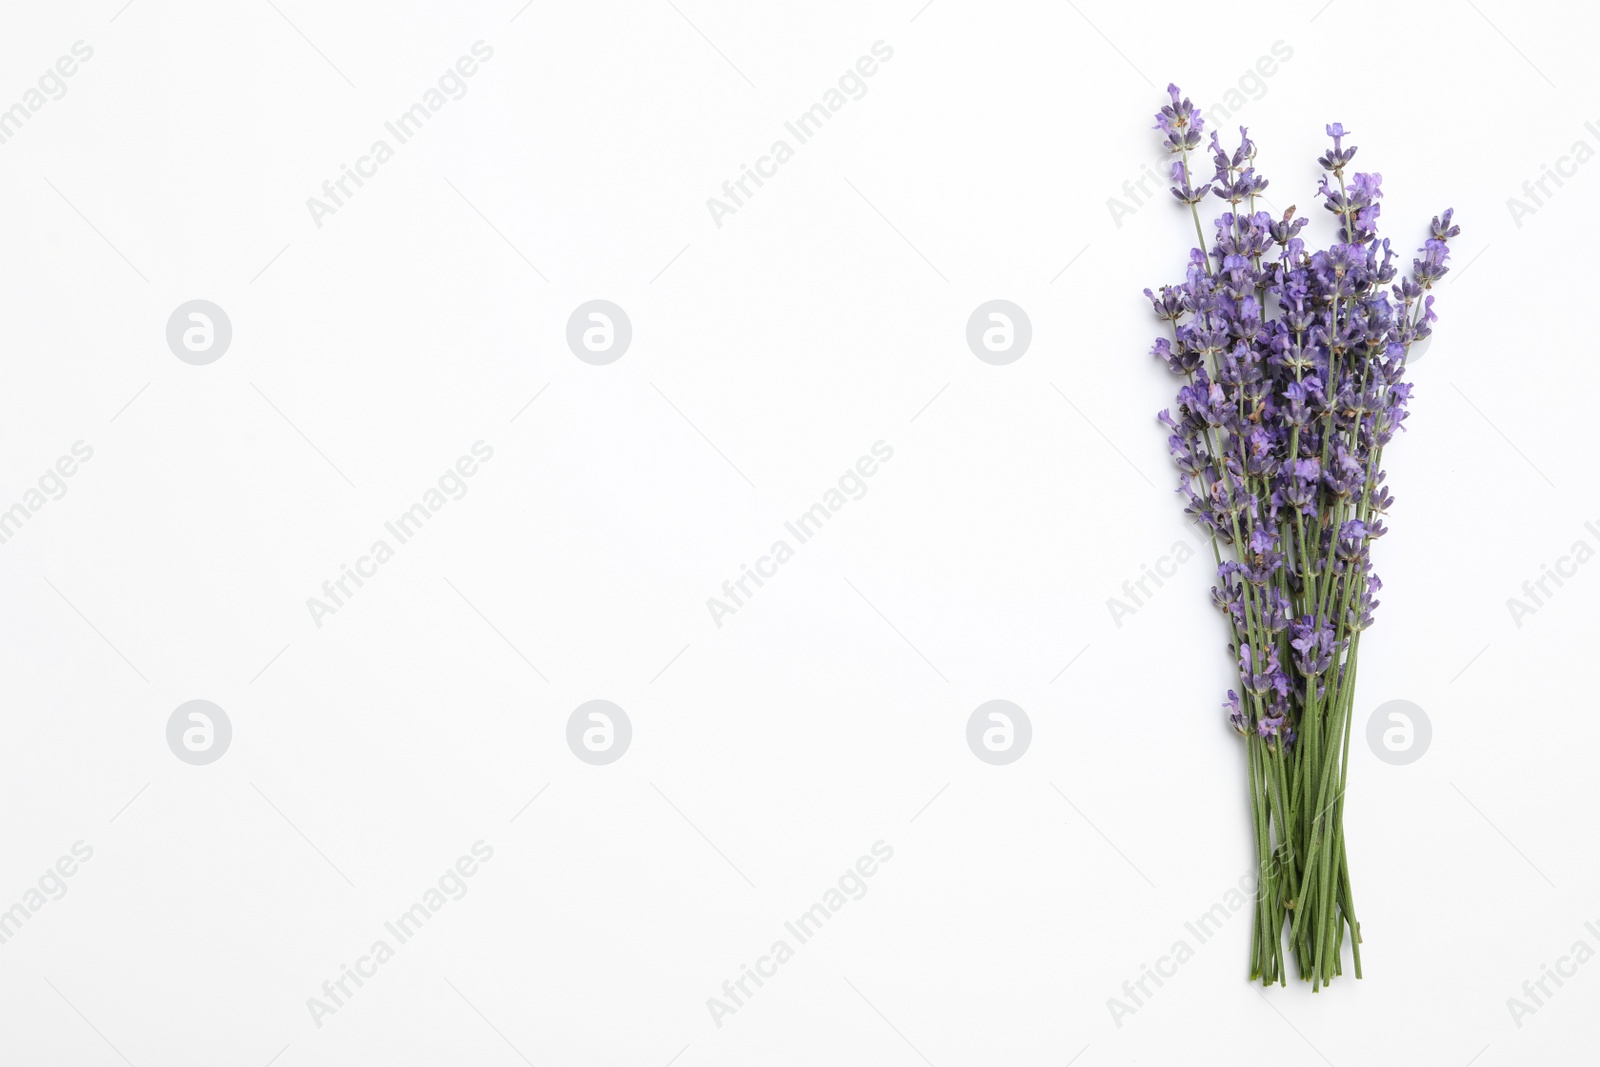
[1291,348]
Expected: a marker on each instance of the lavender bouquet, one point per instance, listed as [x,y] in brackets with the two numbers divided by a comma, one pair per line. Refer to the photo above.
[1293,364]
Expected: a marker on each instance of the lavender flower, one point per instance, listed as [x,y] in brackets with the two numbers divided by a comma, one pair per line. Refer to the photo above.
[1292,363]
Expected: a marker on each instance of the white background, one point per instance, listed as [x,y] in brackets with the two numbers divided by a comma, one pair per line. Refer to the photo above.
[768,354]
